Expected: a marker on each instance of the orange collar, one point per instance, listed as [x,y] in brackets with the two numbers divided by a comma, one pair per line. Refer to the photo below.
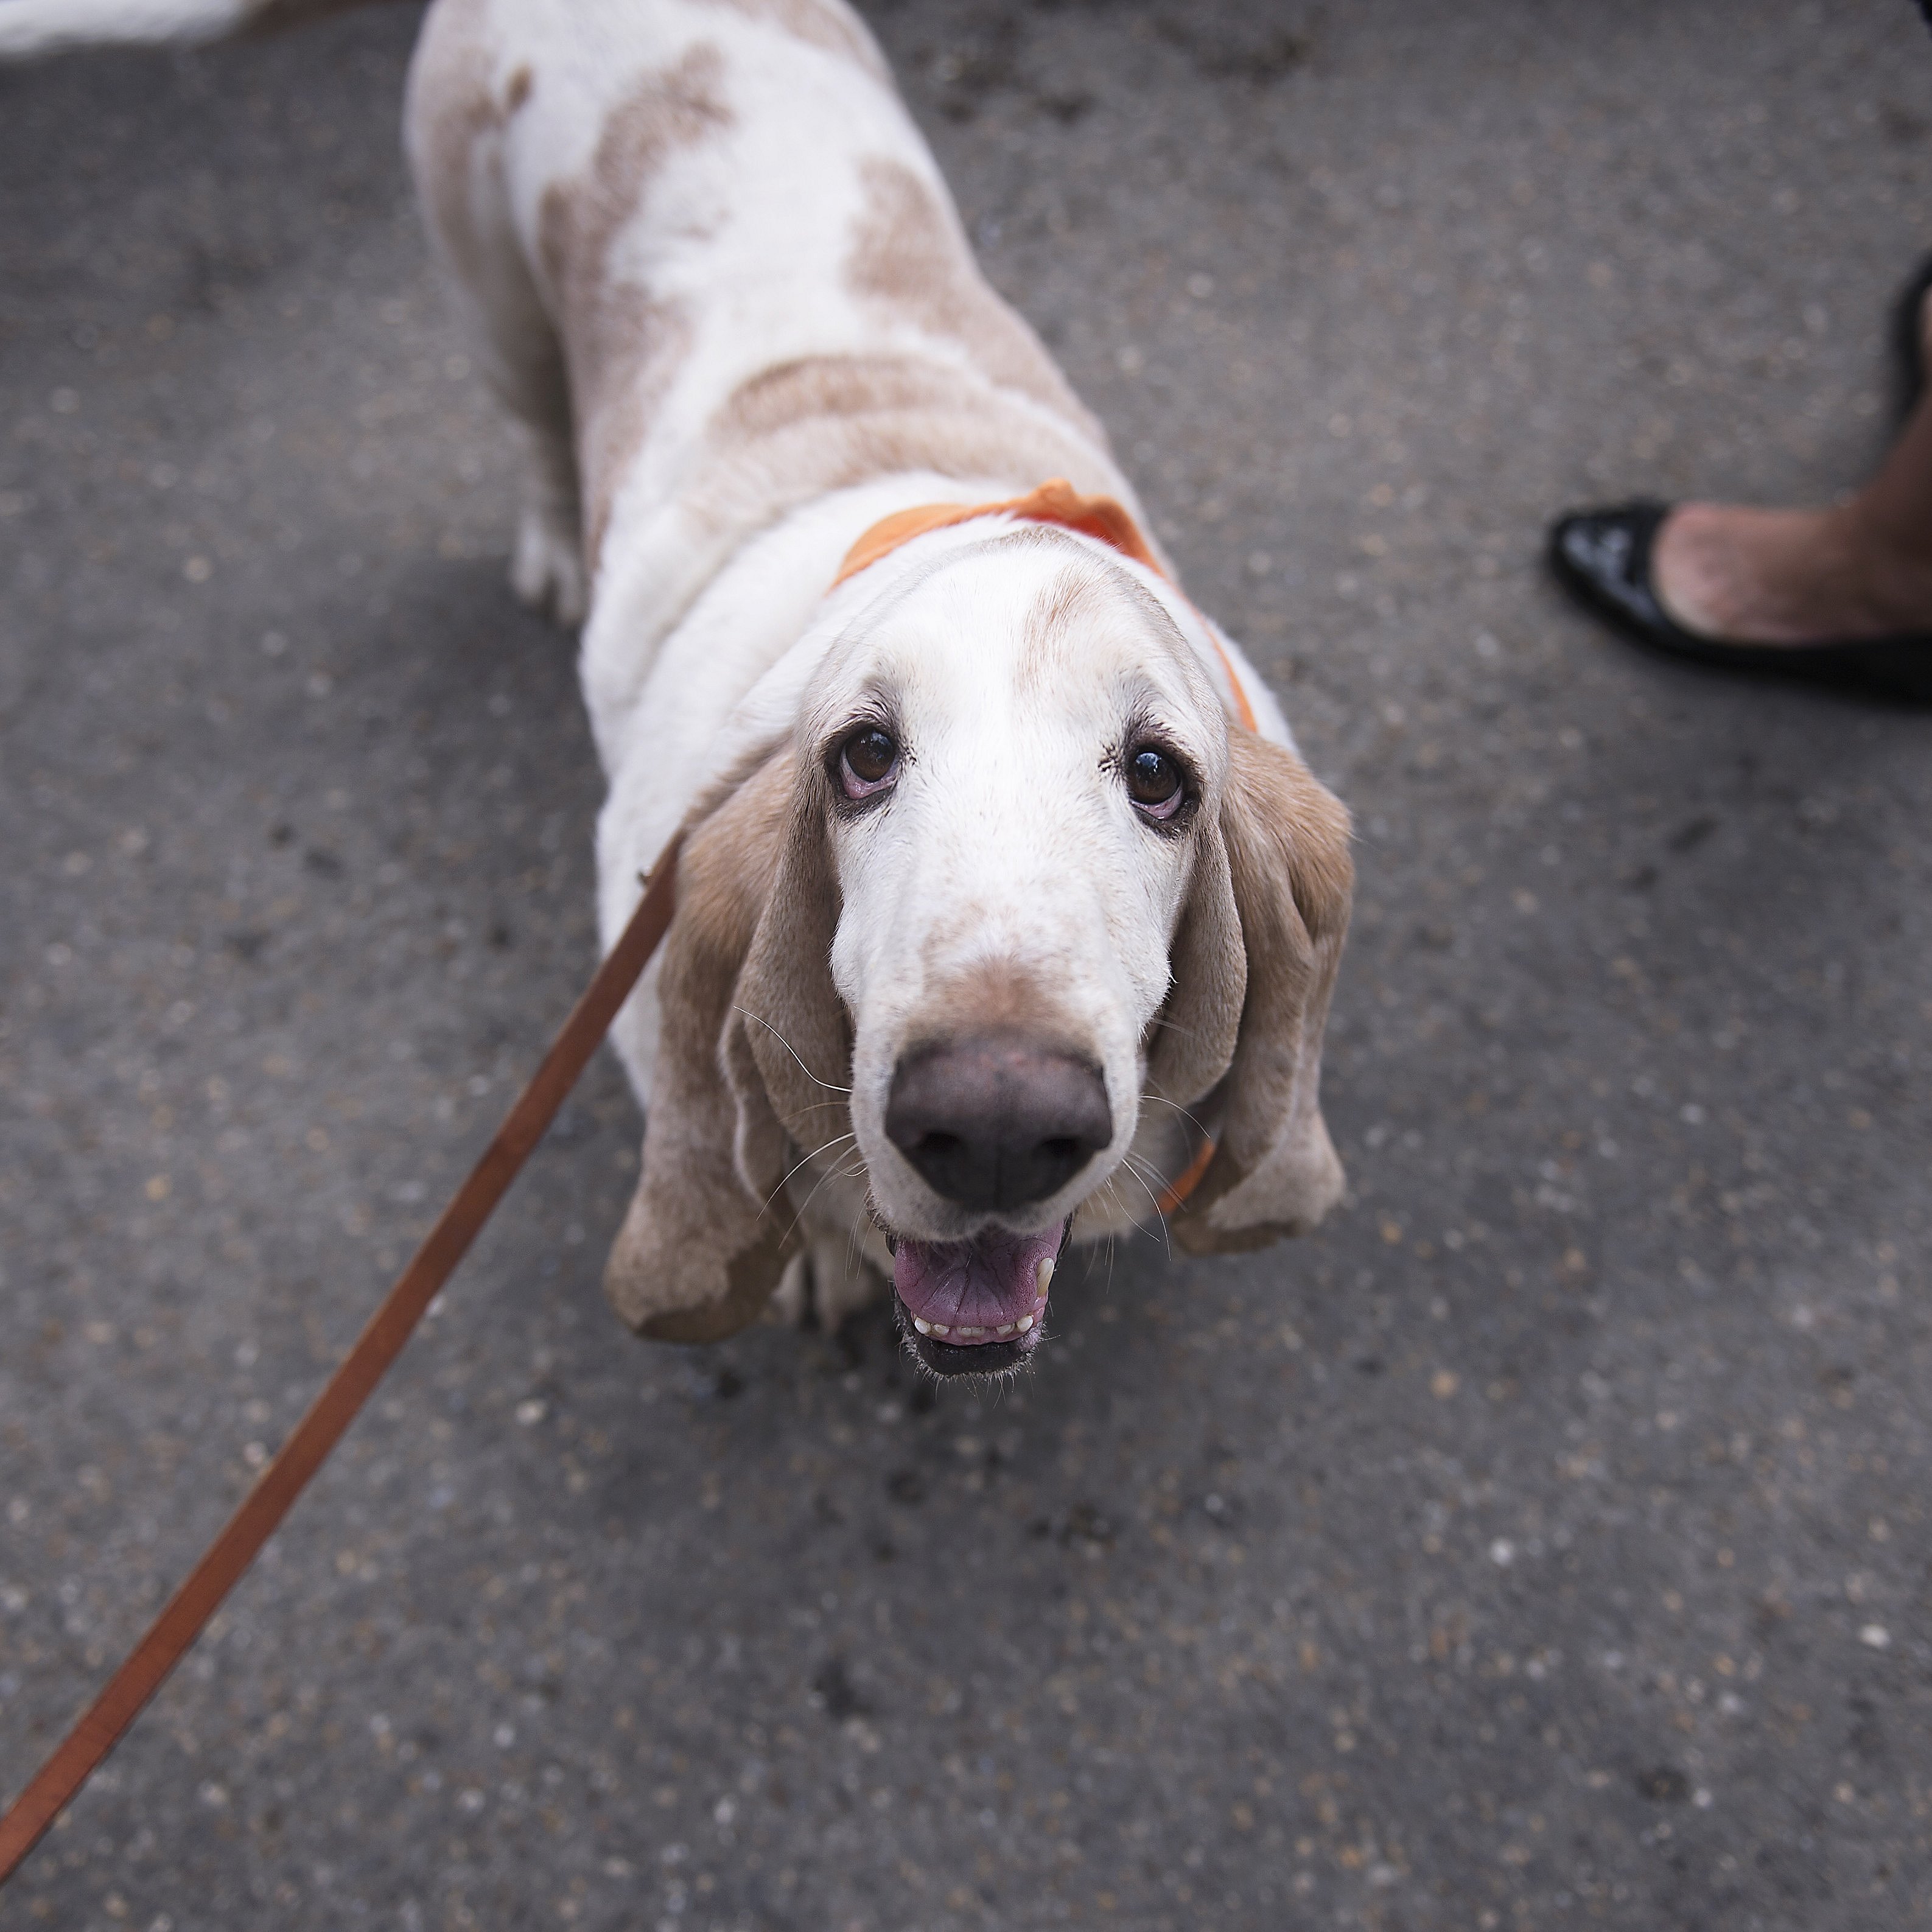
[1055,502]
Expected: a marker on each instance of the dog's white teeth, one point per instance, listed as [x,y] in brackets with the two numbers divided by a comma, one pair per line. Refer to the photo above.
[1043,1277]
[1004,1328]
[939,1328]
[1023,1323]
[966,1328]
[924,1327]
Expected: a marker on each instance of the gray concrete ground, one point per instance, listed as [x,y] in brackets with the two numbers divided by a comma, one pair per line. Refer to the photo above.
[1543,1543]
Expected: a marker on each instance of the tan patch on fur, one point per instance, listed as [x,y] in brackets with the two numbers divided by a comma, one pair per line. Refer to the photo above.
[835,29]
[812,387]
[908,257]
[1073,594]
[802,429]
[1050,630]
[622,346]
[451,108]
[750,1276]
[1082,592]
[455,124]
[651,340]
[997,994]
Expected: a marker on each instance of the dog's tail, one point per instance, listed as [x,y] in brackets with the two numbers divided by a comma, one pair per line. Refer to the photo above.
[28,28]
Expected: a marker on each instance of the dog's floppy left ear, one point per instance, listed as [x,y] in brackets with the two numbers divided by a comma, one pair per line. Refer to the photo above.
[789,1049]
[1275,1171]
[709,1233]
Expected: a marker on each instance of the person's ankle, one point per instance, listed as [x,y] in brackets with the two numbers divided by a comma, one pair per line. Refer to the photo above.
[1883,539]
[1895,569]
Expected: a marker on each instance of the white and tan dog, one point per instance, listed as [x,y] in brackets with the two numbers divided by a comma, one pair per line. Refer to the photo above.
[1007,912]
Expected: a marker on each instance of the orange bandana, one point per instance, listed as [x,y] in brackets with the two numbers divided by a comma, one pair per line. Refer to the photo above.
[1056,502]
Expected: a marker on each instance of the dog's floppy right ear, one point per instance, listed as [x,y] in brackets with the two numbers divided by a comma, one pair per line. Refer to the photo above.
[701,1252]
[1289,879]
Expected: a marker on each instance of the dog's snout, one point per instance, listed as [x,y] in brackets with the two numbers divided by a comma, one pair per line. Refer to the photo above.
[997,1120]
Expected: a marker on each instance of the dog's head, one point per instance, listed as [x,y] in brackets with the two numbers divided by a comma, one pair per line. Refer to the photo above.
[1012,881]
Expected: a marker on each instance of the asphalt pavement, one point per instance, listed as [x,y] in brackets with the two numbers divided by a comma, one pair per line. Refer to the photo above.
[1543,1542]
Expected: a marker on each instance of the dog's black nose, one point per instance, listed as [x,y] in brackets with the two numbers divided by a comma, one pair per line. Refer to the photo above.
[997,1120]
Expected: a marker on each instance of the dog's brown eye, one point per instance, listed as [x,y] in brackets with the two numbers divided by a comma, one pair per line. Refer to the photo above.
[1154,782]
[867,760]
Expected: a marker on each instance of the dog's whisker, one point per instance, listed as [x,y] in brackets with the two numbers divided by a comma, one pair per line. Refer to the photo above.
[824,1180]
[1113,1194]
[855,1247]
[1127,1166]
[1187,1113]
[1134,1163]
[830,1086]
[1143,1171]
[793,1169]
[804,1160]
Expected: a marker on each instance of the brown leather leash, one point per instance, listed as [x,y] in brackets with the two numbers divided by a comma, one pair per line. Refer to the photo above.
[104,1722]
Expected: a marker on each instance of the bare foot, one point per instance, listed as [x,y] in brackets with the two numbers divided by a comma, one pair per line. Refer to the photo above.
[1787,576]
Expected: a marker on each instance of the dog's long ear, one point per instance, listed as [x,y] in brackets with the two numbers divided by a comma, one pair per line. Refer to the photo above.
[705,1239]
[790,1051]
[1289,877]
[1194,1036]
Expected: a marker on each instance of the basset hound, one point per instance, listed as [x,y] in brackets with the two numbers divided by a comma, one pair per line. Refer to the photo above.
[1007,912]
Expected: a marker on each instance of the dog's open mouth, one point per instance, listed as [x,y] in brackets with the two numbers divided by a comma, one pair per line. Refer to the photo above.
[975,1307]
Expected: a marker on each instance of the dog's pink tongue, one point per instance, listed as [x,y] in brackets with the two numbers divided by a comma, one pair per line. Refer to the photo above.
[983,1290]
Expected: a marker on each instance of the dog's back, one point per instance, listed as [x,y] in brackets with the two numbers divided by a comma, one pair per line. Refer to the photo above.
[710,256]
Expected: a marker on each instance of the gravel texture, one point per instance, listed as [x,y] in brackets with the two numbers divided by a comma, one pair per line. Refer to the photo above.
[1543,1543]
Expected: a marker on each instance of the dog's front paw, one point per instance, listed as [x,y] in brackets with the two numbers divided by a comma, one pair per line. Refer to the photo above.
[547,571]
[678,1272]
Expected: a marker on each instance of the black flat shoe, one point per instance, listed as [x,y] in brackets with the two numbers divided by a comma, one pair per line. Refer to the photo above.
[1603,557]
